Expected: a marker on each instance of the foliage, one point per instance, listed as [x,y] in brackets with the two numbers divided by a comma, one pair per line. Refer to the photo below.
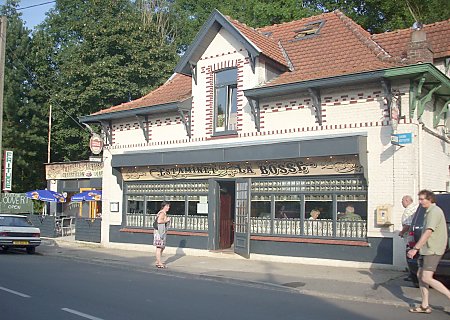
[91,55]
[373,15]
[24,124]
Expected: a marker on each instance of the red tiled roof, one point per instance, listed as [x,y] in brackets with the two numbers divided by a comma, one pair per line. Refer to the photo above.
[438,35]
[178,88]
[269,47]
[340,47]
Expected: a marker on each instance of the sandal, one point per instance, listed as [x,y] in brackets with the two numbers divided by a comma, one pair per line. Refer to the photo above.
[161,266]
[420,309]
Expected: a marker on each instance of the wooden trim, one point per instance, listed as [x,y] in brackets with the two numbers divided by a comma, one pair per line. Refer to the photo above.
[225,136]
[170,232]
[310,240]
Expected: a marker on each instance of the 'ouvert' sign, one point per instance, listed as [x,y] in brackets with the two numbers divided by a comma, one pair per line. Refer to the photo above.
[15,203]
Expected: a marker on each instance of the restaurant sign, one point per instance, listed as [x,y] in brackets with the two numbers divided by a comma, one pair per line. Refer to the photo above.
[75,170]
[15,203]
[276,168]
[7,171]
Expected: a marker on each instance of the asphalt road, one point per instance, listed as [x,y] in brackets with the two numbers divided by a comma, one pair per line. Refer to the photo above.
[47,287]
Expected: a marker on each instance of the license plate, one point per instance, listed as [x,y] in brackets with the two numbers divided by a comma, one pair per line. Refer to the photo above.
[20,242]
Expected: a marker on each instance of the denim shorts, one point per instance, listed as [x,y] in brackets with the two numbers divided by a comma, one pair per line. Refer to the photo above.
[429,262]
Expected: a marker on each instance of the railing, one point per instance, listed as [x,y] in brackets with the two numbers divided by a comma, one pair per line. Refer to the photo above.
[314,228]
[263,226]
[194,223]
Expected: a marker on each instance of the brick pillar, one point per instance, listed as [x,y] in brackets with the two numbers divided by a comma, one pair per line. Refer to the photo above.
[418,49]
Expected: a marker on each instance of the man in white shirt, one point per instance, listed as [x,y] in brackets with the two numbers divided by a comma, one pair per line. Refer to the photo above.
[408,213]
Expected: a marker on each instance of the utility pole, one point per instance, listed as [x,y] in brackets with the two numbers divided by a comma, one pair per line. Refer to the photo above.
[49,133]
[3,22]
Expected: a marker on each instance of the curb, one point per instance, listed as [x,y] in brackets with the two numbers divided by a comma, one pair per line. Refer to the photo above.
[225,279]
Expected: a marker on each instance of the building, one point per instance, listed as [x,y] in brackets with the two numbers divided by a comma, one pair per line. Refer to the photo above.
[258,127]
[70,178]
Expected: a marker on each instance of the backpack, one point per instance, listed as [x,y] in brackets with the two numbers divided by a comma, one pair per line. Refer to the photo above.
[155,223]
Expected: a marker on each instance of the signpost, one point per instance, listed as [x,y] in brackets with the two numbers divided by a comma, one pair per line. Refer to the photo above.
[7,172]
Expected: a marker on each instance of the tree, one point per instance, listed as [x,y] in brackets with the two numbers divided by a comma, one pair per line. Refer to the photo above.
[387,15]
[373,15]
[24,126]
[190,15]
[91,55]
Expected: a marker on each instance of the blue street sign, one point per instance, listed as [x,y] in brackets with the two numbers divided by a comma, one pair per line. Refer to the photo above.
[401,138]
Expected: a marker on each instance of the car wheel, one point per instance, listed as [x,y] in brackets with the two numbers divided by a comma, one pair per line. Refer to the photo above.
[5,248]
[31,250]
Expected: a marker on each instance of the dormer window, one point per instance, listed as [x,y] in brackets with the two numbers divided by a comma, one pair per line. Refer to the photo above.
[225,101]
[309,30]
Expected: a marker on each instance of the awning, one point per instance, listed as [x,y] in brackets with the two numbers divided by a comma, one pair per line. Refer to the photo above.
[308,147]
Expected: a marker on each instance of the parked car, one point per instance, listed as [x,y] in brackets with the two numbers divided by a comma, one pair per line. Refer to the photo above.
[16,231]
[415,231]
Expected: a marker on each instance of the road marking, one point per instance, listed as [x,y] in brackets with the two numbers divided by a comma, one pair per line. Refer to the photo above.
[23,295]
[81,314]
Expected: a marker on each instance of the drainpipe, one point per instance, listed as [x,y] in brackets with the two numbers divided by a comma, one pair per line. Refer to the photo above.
[419,127]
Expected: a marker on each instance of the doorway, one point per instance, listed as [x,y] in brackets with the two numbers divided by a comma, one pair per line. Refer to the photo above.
[226,214]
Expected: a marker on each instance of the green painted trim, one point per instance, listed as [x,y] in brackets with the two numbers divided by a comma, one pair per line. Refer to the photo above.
[425,99]
[412,71]
[438,115]
[420,86]
[412,98]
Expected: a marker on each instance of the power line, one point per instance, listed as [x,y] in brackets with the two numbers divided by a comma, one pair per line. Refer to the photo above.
[35,5]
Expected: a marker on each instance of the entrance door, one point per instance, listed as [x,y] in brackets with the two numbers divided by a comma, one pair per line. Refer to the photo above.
[226,222]
[242,222]
[226,213]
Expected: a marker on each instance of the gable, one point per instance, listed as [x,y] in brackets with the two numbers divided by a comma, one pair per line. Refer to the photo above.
[248,37]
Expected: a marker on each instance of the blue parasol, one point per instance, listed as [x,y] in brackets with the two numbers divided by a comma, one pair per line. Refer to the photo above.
[46,195]
[90,195]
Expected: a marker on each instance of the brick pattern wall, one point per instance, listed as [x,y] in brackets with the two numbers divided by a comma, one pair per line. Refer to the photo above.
[209,71]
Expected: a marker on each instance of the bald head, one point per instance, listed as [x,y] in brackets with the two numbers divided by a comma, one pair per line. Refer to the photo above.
[406,201]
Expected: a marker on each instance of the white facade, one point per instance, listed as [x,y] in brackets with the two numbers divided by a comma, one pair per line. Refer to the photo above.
[392,171]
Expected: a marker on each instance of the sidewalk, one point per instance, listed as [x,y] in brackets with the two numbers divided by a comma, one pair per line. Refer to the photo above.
[345,283]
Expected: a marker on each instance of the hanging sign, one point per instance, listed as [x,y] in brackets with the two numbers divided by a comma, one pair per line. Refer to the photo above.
[96,143]
[7,173]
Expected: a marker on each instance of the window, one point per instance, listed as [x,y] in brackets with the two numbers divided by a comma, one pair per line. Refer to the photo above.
[309,30]
[310,207]
[225,99]
[287,206]
[135,211]
[144,201]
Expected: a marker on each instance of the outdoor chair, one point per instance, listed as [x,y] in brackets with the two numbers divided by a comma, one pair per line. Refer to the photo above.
[66,226]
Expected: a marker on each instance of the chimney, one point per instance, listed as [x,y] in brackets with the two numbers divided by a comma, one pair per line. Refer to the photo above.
[418,49]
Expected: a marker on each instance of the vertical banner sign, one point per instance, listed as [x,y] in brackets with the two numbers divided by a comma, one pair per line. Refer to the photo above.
[7,176]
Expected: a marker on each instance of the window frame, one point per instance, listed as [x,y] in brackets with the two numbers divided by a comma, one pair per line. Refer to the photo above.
[229,85]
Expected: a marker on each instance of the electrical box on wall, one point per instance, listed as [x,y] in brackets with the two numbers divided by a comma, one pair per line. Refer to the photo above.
[384,215]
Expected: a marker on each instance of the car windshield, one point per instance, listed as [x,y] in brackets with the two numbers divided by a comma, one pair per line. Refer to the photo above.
[14,222]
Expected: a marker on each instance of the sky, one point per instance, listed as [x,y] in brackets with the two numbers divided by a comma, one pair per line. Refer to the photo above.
[35,15]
